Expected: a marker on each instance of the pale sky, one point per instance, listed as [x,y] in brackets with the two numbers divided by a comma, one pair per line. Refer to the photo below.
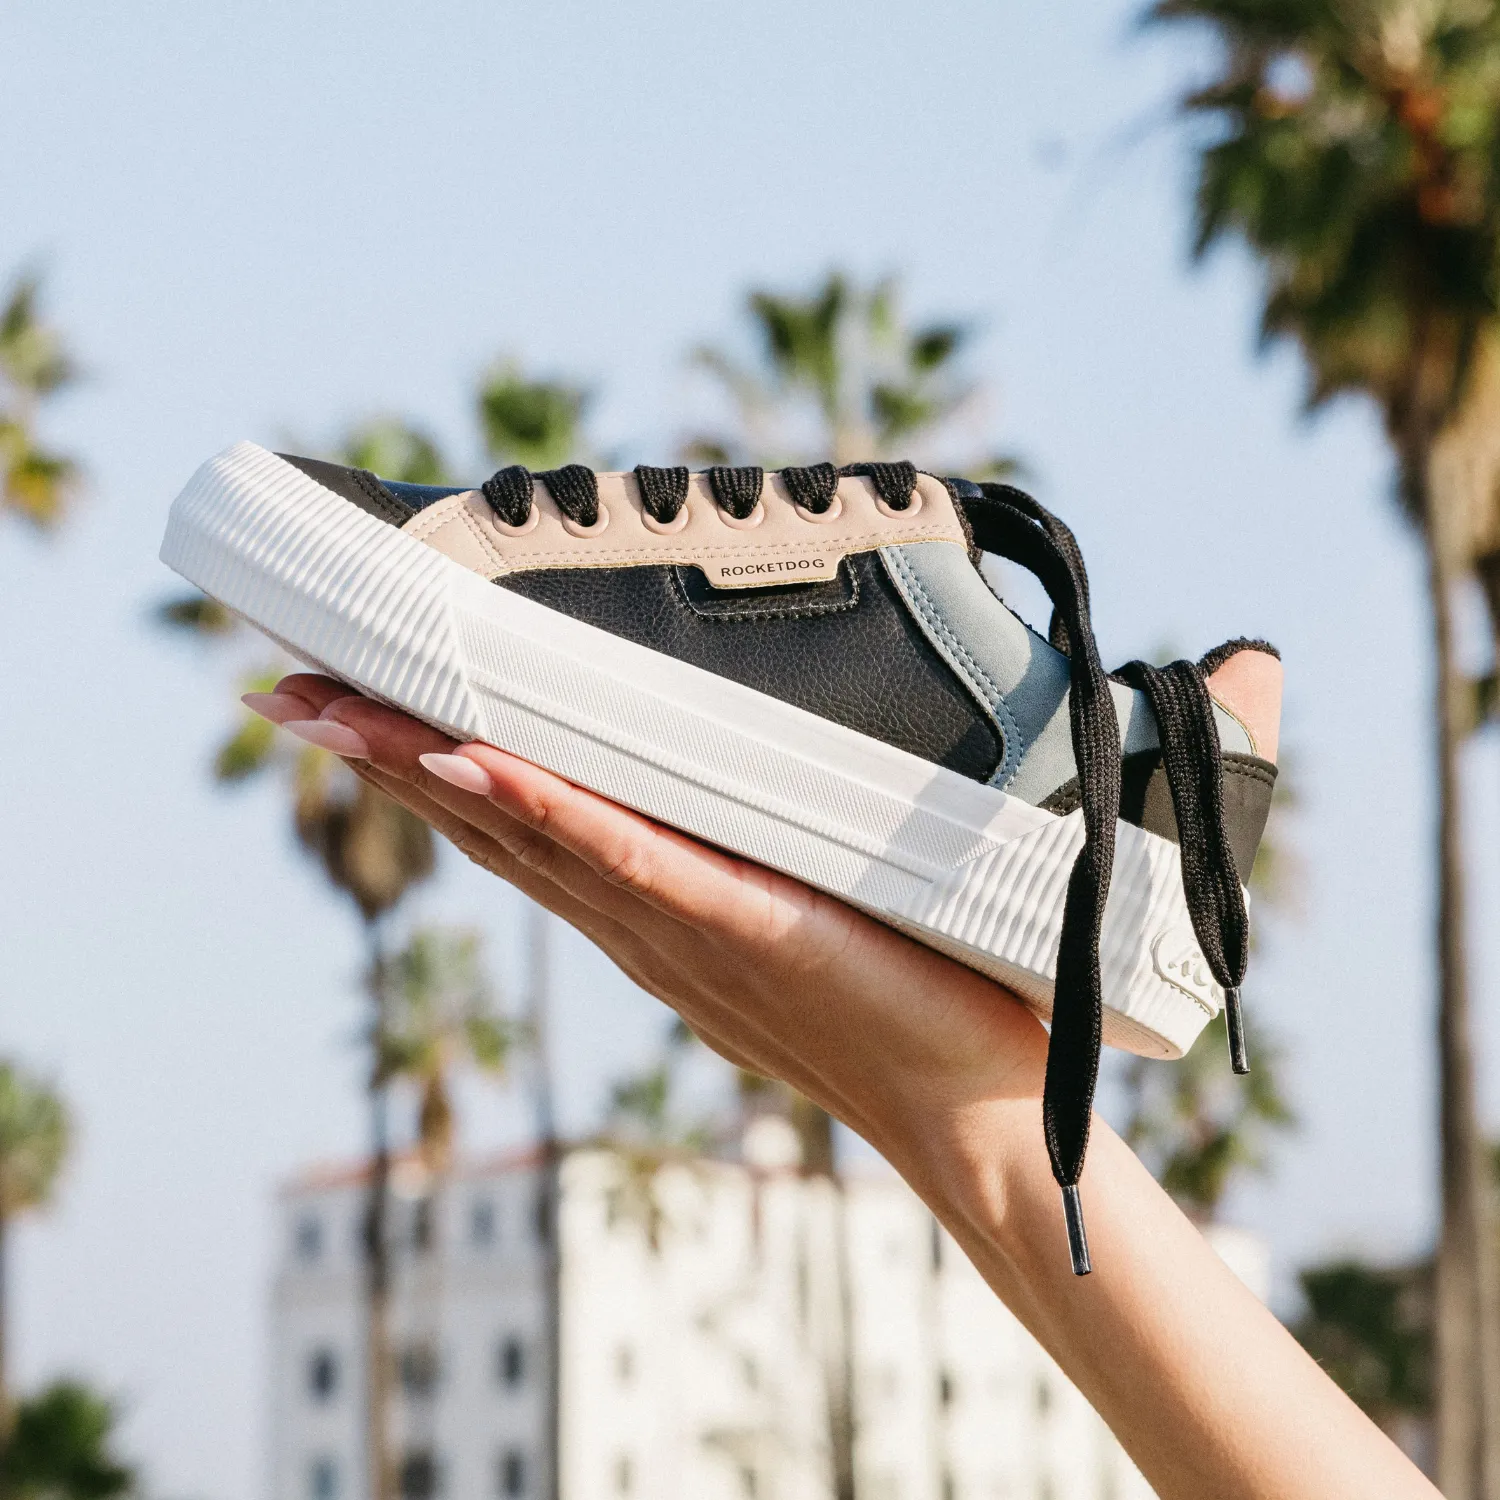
[268,220]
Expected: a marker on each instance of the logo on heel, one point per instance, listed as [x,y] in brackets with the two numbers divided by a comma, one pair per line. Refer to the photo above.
[1180,961]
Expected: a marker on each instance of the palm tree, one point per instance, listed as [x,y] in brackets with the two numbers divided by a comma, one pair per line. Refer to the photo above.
[440,1015]
[1351,144]
[1196,1126]
[370,848]
[1370,1327]
[839,375]
[538,423]
[397,450]
[59,1448]
[34,1134]
[373,851]
[36,483]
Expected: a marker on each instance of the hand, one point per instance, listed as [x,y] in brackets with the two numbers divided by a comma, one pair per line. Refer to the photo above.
[937,1068]
[897,1041]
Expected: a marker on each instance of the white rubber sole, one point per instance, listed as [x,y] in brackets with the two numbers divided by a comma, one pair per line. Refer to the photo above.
[958,865]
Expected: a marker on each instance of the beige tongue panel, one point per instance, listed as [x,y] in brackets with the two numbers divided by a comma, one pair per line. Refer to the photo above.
[785,545]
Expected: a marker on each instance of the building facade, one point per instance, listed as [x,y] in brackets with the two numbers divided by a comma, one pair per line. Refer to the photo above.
[726,1332]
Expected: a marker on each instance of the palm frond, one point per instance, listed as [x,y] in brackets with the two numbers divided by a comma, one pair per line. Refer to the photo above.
[35,1134]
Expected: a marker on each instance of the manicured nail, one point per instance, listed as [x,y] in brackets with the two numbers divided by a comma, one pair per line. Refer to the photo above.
[277,707]
[459,771]
[327,735]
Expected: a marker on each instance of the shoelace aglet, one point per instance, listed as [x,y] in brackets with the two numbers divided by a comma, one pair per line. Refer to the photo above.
[1078,1241]
[1234,1021]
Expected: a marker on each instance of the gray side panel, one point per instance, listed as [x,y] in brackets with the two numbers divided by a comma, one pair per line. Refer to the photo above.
[949,638]
[1021,681]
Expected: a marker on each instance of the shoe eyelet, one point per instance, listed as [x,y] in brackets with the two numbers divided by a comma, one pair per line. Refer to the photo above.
[524,529]
[899,515]
[750,522]
[834,511]
[665,528]
[574,529]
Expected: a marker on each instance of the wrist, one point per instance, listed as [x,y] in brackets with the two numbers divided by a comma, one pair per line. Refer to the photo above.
[979,1163]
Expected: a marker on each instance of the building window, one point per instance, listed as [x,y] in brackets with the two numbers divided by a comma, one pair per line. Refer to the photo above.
[624,1364]
[307,1239]
[323,1479]
[482,1223]
[543,1217]
[418,1370]
[322,1374]
[945,1387]
[510,1361]
[950,1486]
[419,1477]
[1043,1397]
[512,1473]
[423,1226]
[624,1476]
[749,1482]
[750,1371]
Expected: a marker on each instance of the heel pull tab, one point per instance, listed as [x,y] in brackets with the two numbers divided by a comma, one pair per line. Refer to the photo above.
[1234,1022]
[1078,1240]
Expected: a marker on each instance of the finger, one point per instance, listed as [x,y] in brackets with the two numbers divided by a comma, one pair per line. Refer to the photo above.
[622,943]
[662,970]
[396,743]
[669,871]
[314,689]
[609,935]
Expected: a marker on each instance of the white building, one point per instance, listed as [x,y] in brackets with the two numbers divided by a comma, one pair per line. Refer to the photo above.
[703,1354]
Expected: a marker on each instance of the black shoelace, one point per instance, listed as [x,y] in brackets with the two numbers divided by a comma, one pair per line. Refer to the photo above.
[736,489]
[1009,523]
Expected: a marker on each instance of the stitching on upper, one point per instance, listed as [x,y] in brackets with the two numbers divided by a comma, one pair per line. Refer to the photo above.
[1224,708]
[1265,773]
[1068,796]
[425,522]
[390,508]
[791,613]
[603,557]
[477,531]
[989,689]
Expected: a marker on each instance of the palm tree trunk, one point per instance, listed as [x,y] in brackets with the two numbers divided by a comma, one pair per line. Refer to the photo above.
[1467,1305]
[378,1359]
[814,1128]
[843,1418]
[549,1205]
[6,1408]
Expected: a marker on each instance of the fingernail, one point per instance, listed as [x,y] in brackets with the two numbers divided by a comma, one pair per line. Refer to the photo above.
[327,735]
[277,707]
[459,771]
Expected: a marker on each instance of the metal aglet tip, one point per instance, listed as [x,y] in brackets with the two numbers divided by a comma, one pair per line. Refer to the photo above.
[1234,1020]
[1078,1241]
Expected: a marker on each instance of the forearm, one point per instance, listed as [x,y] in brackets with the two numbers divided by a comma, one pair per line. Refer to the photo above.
[1208,1393]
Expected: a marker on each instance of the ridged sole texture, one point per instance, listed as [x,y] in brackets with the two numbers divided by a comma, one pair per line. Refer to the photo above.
[957,865]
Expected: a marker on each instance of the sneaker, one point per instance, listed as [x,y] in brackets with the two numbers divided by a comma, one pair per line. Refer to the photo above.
[807,668]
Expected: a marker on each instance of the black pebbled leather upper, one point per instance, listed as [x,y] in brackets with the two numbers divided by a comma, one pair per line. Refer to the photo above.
[846,650]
